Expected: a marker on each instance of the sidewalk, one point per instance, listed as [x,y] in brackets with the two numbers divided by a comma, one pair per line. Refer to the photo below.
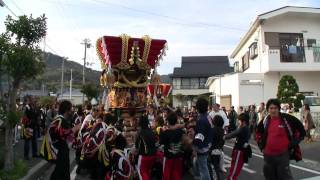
[35,165]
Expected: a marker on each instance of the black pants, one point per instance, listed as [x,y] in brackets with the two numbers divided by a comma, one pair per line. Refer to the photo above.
[277,167]
[214,161]
[62,169]
[33,142]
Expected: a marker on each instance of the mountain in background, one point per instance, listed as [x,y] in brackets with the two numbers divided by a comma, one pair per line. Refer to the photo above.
[50,80]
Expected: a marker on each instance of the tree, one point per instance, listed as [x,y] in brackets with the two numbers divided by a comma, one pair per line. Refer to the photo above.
[288,92]
[90,90]
[22,61]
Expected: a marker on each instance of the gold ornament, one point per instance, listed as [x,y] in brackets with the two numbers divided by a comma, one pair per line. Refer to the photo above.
[124,53]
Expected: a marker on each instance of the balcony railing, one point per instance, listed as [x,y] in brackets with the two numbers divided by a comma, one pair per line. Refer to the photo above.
[189,87]
[296,54]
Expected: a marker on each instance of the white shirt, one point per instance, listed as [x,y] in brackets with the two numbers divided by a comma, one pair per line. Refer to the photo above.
[221,113]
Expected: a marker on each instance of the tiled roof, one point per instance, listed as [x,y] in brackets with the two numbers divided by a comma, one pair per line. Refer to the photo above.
[202,66]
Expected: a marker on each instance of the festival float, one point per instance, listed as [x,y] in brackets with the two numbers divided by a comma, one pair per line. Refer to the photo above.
[129,74]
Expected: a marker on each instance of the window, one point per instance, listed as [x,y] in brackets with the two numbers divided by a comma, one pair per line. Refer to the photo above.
[185,83]
[291,47]
[202,83]
[311,42]
[253,50]
[245,62]
[176,83]
[236,67]
[194,83]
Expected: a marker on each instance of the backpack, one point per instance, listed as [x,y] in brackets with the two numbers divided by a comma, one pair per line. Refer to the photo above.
[48,151]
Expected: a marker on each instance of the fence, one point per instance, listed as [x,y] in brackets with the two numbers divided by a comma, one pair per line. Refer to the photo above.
[316,120]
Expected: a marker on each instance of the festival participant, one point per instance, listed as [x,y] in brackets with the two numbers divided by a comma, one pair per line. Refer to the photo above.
[120,165]
[217,147]
[180,116]
[84,133]
[91,148]
[216,111]
[77,120]
[173,152]
[202,140]
[30,129]
[60,133]
[241,149]
[278,137]
[145,146]
[151,116]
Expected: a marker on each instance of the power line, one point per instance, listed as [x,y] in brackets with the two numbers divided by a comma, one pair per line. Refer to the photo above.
[171,19]
[6,6]
[168,17]
[15,4]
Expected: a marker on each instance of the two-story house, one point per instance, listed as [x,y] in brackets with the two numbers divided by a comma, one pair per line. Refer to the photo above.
[188,81]
[279,42]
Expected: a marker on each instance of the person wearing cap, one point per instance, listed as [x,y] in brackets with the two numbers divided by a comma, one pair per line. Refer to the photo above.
[145,146]
[239,152]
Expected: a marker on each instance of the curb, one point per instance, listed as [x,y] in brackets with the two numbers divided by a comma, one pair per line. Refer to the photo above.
[36,171]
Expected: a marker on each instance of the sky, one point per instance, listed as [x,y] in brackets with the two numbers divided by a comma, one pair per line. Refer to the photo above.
[191,27]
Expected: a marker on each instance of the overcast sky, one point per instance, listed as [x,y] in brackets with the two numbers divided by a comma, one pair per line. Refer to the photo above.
[191,27]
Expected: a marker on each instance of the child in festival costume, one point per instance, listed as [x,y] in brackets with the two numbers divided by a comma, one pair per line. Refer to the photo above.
[241,150]
[120,165]
[145,146]
[173,152]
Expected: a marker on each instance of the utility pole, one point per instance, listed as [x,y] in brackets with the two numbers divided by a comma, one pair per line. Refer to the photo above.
[62,76]
[86,43]
[70,86]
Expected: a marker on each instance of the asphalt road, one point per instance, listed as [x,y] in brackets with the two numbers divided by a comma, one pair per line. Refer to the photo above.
[253,170]
[303,170]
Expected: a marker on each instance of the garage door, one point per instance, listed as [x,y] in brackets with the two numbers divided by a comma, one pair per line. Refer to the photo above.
[225,101]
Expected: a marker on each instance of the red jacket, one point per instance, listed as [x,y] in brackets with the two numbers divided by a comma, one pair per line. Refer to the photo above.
[295,132]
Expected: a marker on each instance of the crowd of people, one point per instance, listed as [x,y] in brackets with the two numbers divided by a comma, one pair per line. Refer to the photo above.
[164,143]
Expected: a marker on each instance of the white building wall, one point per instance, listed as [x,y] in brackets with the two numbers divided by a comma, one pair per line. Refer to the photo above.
[250,88]
[255,64]
[229,86]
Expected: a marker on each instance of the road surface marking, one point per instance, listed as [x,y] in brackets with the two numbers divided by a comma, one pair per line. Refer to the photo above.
[294,166]
[312,178]
[228,165]
[73,173]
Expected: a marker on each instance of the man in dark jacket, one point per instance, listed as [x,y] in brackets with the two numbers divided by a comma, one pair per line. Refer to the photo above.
[202,139]
[146,148]
[278,136]
[232,116]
